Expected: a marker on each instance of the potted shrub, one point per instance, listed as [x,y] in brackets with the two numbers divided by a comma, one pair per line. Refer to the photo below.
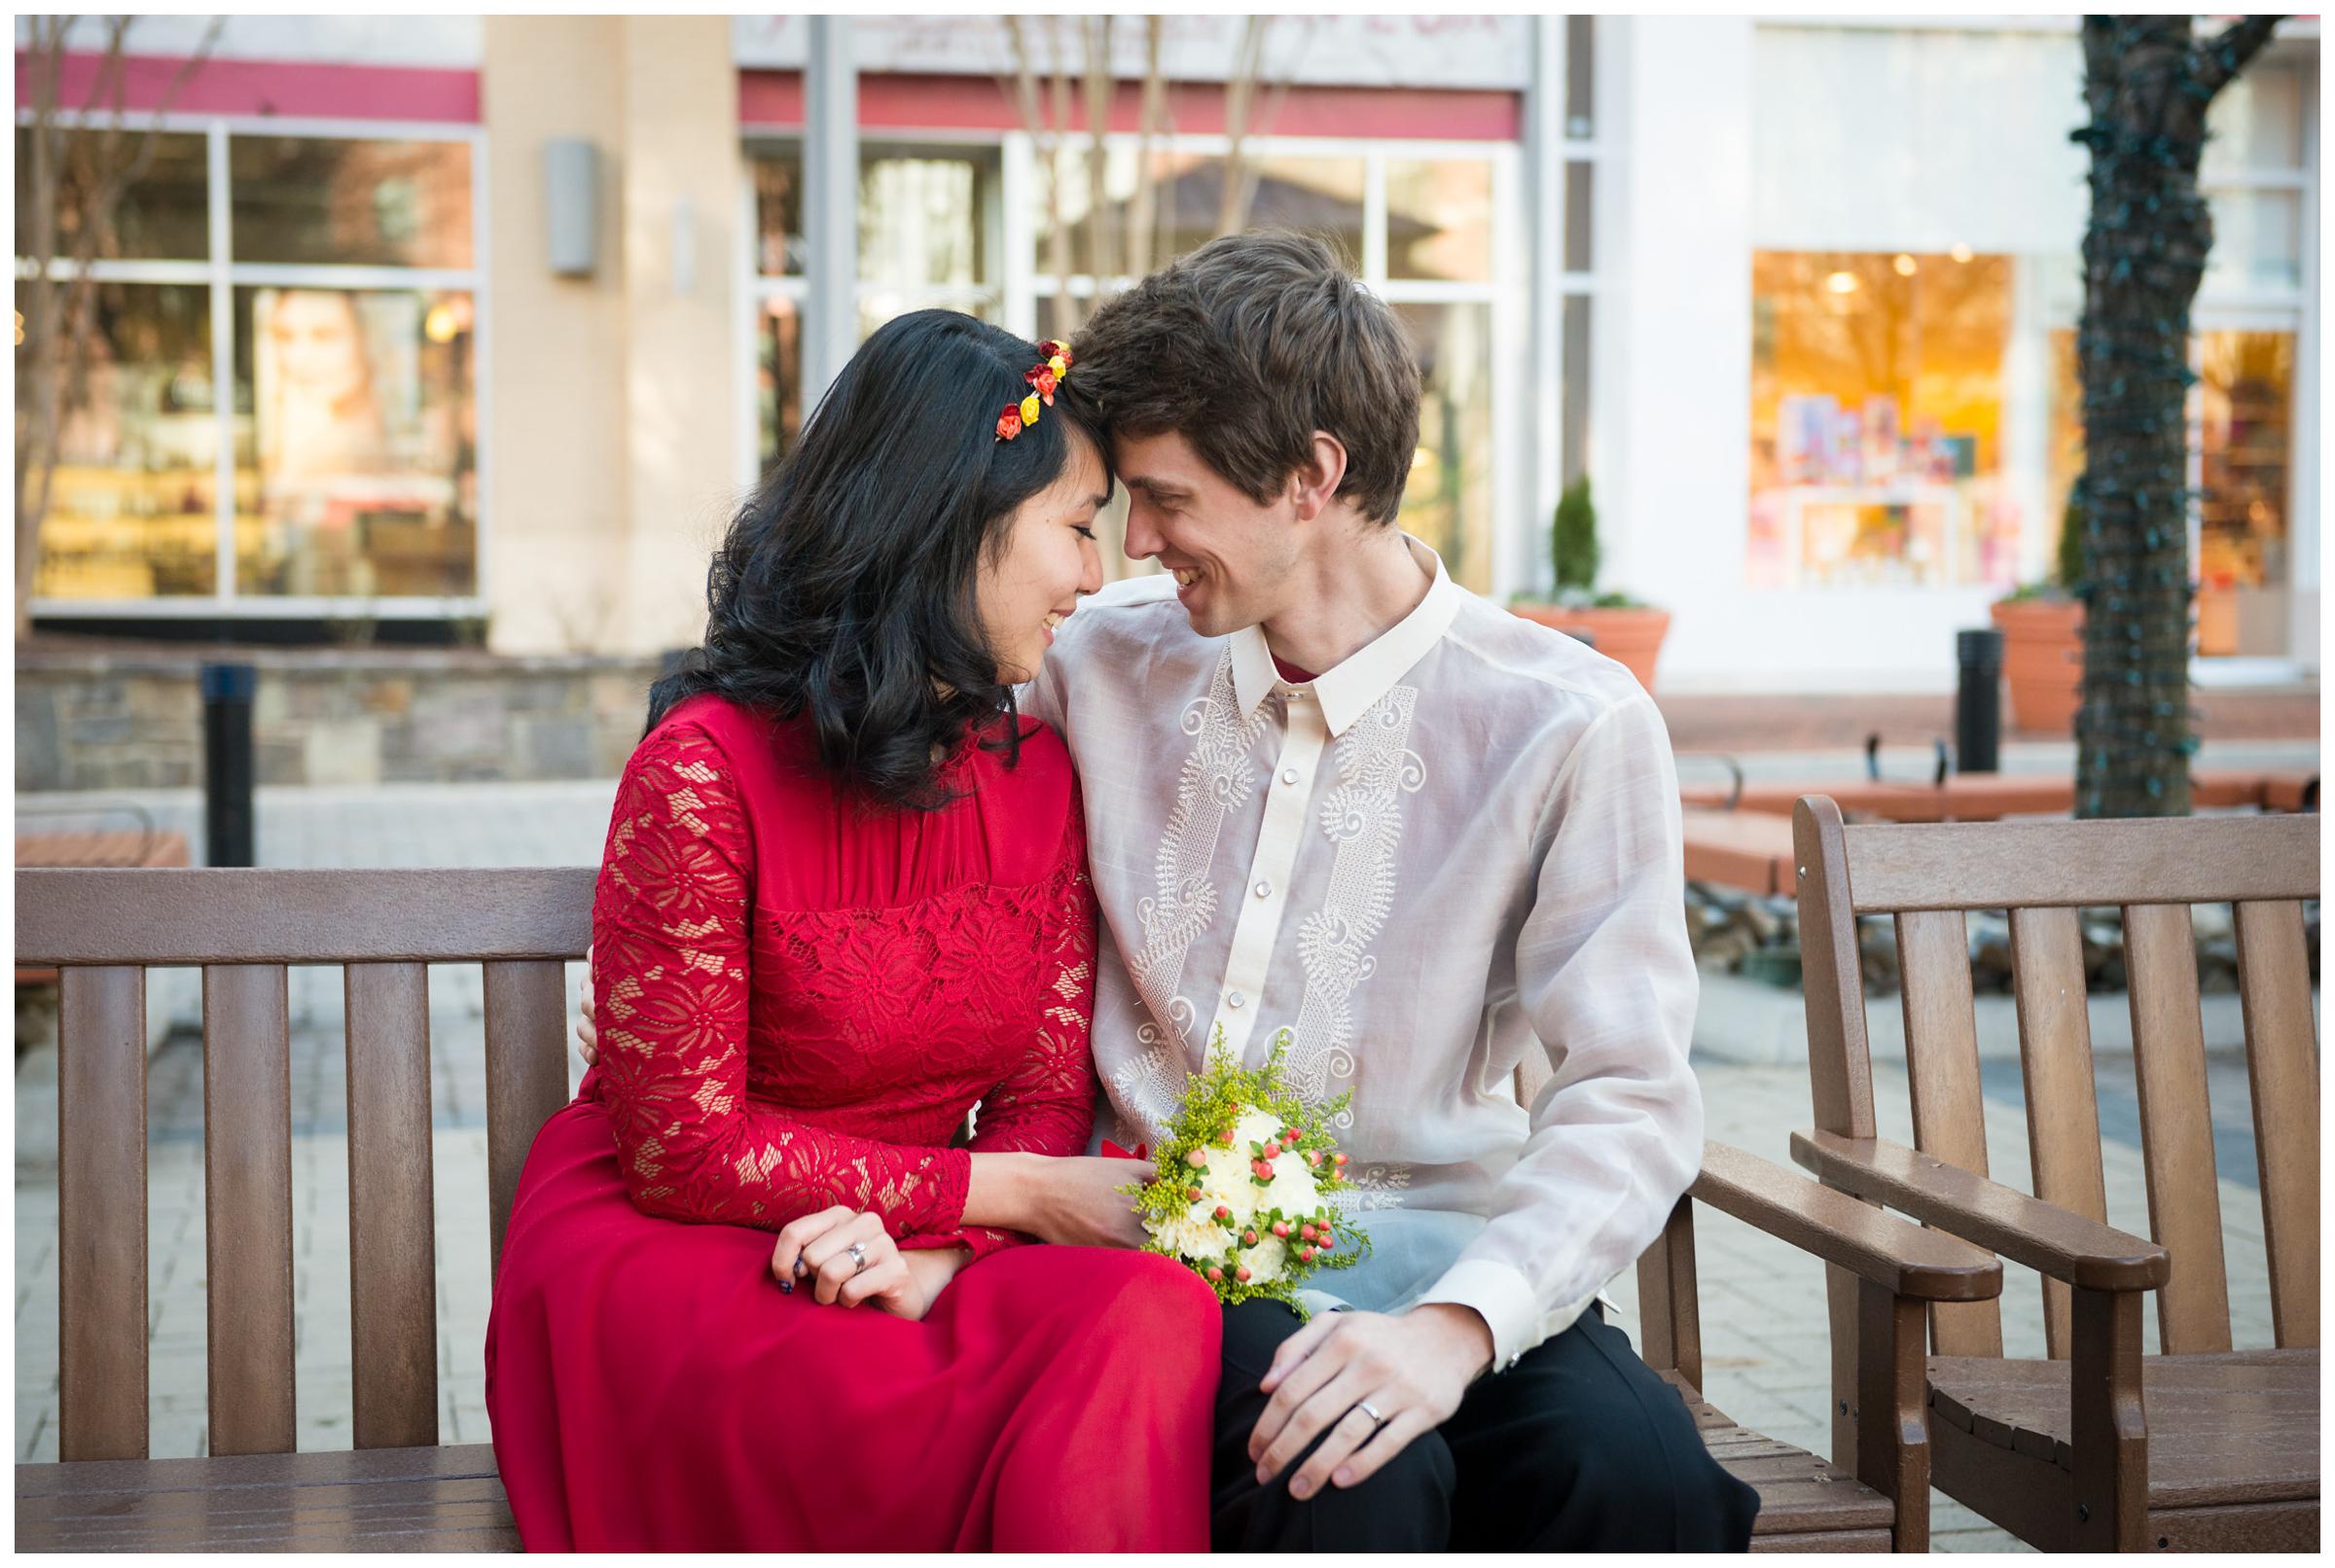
[1617,625]
[2043,639]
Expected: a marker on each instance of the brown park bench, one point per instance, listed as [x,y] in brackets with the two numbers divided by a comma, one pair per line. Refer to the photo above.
[1992,796]
[398,1488]
[142,845]
[2098,1446]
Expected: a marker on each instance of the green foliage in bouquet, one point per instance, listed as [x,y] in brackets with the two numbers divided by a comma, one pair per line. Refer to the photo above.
[1215,1103]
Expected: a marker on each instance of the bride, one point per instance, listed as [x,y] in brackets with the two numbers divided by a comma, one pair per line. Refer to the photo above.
[753,1295]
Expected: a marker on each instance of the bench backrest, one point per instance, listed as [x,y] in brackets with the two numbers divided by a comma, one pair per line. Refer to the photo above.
[1927,878]
[103,929]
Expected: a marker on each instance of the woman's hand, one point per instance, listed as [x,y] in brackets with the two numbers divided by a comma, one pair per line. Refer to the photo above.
[816,1249]
[587,1038]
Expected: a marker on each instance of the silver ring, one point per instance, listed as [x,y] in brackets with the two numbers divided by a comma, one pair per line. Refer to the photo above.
[859,1255]
[1371,1410]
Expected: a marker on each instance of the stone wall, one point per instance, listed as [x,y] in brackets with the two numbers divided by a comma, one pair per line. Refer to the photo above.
[124,719]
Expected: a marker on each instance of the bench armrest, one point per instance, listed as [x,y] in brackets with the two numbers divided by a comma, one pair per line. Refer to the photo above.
[2047,1238]
[1871,1243]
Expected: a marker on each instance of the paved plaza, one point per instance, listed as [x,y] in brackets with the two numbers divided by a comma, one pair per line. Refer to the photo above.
[1762,1302]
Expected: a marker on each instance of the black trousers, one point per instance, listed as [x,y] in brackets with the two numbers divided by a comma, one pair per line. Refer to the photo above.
[1579,1447]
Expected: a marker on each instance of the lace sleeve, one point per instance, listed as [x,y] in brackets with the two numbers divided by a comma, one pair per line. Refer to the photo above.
[1046,1105]
[669,938]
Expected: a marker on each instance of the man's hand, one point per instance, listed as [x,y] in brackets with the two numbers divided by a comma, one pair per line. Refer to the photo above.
[587,1038]
[1413,1369]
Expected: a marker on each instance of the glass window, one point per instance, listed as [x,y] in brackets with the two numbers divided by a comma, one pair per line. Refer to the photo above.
[132,503]
[778,376]
[1580,76]
[1578,182]
[776,170]
[163,215]
[2255,123]
[341,202]
[1448,502]
[356,442]
[1439,220]
[2257,240]
[1574,426]
[1315,196]
[2245,441]
[1876,413]
[924,216]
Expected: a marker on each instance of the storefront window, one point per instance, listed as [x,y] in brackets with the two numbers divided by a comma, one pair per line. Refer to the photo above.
[2244,444]
[1877,415]
[355,443]
[1315,196]
[1448,502]
[161,216]
[131,509]
[300,199]
[350,431]
[776,170]
[1439,220]
[779,376]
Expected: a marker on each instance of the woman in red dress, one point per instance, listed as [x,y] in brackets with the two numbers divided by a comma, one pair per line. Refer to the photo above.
[843,901]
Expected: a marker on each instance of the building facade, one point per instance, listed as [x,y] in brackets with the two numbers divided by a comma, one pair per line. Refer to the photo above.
[1798,297]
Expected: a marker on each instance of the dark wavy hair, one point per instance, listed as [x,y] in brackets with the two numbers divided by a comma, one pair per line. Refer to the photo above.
[845,590]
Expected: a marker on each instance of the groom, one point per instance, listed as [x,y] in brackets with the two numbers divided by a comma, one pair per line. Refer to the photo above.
[1329,790]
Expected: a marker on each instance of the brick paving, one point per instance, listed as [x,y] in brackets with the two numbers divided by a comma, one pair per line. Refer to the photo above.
[1762,1302]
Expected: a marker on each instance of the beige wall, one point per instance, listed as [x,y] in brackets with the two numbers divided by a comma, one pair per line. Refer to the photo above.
[610,398]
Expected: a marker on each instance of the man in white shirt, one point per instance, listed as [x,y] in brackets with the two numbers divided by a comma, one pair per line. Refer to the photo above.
[1330,791]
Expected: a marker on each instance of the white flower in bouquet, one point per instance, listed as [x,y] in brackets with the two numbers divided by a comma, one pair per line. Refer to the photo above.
[1244,1182]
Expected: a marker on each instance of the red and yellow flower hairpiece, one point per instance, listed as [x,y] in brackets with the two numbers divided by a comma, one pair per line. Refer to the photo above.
[1043,377]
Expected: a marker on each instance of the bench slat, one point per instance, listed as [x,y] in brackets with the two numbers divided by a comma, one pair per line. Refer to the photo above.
[101,1213]
[392,1261]
[247,1207]
[2274,982]
[2176,1127]
[2013,864]
[2055,1054]
[1941,1055]
[527,1073]
[279,917]
[378,1499]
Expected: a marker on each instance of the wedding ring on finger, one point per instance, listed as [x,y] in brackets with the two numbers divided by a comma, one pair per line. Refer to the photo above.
[1372,1410]
[859,1255]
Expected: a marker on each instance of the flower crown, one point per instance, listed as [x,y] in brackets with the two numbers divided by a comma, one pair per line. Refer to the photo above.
[1043,377]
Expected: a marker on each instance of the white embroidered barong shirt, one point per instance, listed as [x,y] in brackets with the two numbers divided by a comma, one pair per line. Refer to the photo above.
[1458,847]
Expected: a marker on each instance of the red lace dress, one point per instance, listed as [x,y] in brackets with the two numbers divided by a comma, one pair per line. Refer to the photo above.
[799,1000]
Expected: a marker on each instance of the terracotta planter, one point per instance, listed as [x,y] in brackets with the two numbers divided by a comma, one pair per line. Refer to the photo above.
[2043,659]
[1633,637]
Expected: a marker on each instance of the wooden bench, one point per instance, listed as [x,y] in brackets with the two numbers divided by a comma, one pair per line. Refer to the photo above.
[2096,1447]
[1992,796]
[142,845]
[1749,850]
[399,1489]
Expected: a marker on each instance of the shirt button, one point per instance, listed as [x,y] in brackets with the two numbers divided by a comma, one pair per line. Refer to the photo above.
[1288,775]
[1236,1000]
[1263,890]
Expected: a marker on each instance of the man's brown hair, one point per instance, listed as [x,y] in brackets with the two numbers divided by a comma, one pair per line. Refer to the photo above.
[1248,345]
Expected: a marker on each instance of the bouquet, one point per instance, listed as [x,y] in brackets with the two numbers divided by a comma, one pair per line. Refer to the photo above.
[1245,1181]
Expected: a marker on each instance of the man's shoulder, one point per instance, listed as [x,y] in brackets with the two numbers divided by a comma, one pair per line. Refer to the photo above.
[1133,611]
[1509,653]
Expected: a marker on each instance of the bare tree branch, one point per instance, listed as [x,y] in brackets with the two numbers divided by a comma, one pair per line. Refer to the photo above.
[2214,64]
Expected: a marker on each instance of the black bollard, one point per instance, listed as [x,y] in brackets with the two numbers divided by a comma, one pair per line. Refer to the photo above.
[1978,701]
[227,824]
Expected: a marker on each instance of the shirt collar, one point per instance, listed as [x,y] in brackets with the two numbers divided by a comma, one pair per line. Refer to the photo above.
[1348,691]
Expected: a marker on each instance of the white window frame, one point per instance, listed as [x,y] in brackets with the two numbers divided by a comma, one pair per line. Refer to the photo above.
[223,275]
